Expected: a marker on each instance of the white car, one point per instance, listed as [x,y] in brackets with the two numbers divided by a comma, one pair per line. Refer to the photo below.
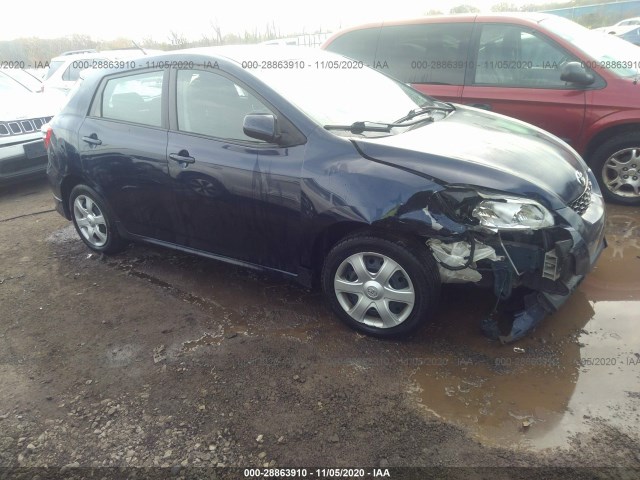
[22,114]
[64,70]
[621,27]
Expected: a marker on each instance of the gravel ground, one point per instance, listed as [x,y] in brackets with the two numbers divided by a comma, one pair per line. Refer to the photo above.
[164,364]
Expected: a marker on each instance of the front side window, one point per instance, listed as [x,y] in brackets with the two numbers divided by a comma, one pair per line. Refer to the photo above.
[601,51]
[210,104]
[429,53]
[134,98]
[513,56]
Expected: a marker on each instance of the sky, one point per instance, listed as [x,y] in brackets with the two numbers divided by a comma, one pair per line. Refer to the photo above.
[142,19]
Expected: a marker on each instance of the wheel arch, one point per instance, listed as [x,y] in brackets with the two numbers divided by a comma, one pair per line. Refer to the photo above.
[390,229]
[67,185]
[606,134]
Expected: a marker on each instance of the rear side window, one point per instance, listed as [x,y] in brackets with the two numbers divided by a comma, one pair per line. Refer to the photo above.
[514,56]
[134,98]
[358,44]
[428,53]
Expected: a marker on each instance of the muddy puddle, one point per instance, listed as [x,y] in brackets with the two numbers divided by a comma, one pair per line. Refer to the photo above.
[580,367]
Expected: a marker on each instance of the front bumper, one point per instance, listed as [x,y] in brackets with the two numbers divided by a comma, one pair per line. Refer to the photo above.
[574,256]
[21,156]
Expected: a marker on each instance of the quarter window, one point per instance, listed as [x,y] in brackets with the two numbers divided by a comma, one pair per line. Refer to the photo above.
[358,44]
[53,67]
[210,104]
[509,55]
[72,73]
[428,53]
[134,98]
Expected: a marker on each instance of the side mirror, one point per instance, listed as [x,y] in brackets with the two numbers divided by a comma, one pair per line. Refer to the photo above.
[261,126]
[573,72]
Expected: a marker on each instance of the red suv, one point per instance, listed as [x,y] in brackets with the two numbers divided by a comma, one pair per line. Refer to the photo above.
[578,84]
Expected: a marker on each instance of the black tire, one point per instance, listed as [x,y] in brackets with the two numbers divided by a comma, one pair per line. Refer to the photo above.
[94,221]
[621,148]
[414,261]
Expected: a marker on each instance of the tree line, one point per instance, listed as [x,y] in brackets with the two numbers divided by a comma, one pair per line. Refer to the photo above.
[33,50]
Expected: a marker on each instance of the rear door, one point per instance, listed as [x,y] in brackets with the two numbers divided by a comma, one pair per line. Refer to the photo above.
[123,150]
[516,72]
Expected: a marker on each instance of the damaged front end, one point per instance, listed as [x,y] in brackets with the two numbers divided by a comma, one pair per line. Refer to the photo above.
[514,245]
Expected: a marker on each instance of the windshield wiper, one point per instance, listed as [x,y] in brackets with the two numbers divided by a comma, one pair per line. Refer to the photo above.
[446,107]
[366,126]
[361,127]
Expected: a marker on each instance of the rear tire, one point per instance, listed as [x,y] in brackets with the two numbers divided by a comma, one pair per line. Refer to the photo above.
[94,221]
[382,287]
[616,164]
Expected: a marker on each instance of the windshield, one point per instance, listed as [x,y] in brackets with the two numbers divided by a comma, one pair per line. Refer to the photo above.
[342,96]
[25,79]
[9,85]
[612,53]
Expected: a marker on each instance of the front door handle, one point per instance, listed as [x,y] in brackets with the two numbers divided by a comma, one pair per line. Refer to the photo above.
[483,106]
[92,139]
[182,157]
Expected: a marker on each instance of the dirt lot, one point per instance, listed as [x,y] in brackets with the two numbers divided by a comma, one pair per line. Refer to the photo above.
[153,358]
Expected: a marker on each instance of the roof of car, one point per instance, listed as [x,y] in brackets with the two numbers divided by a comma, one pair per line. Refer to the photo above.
[243,53]
[524,17]
[75,56]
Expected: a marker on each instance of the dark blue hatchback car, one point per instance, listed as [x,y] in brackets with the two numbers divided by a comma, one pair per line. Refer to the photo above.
[308,164]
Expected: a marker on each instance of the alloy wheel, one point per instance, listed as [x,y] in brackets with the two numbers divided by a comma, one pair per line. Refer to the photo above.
[90,220]
[621,173]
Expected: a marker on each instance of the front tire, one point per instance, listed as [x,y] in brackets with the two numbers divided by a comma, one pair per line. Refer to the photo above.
[94,221]
[616,164]
[381,287]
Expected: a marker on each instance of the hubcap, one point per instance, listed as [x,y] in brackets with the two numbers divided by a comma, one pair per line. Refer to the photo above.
[374,289]
[90,220]
[621,172]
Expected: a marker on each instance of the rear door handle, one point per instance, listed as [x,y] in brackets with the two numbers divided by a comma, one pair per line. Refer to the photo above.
[483,106]
[92,139]
[182,157]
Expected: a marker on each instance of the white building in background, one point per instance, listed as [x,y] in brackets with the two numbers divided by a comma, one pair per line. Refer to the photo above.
[307,40]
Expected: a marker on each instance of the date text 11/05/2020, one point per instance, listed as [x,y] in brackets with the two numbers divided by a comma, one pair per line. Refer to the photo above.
[317,473]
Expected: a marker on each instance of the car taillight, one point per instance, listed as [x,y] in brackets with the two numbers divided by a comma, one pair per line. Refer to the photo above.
[46,132]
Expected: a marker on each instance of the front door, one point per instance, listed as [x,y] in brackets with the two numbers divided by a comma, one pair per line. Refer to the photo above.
[238,197]
[517,73]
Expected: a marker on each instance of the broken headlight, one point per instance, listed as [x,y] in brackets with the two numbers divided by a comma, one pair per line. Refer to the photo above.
[512,213]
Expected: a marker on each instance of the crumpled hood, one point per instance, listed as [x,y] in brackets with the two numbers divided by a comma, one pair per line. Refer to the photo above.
[474,147]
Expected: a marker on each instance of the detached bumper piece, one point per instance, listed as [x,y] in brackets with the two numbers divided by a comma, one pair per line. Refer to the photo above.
[547,277]
[537,305]
[536,271]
